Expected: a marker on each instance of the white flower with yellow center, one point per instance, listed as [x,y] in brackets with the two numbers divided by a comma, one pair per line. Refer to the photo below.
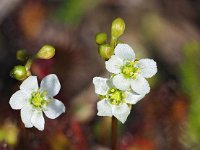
[33,101]
[130,72]
[114,102]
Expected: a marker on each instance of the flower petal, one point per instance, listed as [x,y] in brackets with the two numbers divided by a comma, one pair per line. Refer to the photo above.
[30,84]
[121,83]
[133,98]
[114,64]
[121,112]
[51,85]
[26,114]
[38,120]
[140,85]
[18,99]
[100,85]
[124,51]
[54,109]
[104,108]
[148,67]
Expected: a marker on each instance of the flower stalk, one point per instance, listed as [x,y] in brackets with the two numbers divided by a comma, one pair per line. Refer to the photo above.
[127,84]
[114,134]
[113,42]
[20,72]
[31,99]
[28,66]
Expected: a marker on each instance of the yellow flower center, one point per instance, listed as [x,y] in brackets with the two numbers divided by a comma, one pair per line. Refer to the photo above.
[38,99]
[115,96]
[129,70]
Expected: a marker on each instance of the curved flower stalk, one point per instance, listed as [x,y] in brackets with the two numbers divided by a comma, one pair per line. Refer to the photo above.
[130,72]
[114,102]
[127,84]
[33,101]
[20,72]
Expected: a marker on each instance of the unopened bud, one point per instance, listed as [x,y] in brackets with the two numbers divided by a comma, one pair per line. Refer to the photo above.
[118,27]
[101,38]
[46,52]
[105,51]
[22,55]
[19,72]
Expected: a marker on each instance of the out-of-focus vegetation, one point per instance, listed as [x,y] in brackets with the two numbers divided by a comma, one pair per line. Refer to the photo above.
[72,11]
[167,31]
[190,83]
[9,133]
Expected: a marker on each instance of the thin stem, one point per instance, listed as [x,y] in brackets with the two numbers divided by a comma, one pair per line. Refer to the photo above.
[28,64]
[114,134]
[113,42]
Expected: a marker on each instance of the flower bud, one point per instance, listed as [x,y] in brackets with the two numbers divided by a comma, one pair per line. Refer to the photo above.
[118,27]
[22,55]
[101,38]
[105,51]
[19,72]
[46,52]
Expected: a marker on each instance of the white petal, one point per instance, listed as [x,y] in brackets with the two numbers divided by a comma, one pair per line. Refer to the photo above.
[30,84]
[51,85]
[124,51]
[140,85]
[104,108]
[100,85]
[38,120]
[114,64]
[121,112]
[121,83]
[133,98]
[26,114]
[54,109]
[18,99]
[148,67]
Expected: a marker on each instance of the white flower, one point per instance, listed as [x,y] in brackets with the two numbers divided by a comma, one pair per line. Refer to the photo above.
[114,102]
[33,101]
[130,72]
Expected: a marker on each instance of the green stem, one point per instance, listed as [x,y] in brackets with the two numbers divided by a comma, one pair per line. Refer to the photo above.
[113,42]
[28,64]
[114,134]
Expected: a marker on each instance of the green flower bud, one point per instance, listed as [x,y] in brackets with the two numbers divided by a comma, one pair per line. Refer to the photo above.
[101,38]
[106,51]
[118,27]
[46,52]
[19,72]
[22,55]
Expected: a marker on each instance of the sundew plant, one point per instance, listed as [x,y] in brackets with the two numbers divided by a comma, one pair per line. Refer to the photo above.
[32,100]
[126,84]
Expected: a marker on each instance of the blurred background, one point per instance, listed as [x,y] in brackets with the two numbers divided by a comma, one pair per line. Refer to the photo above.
[168,31]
